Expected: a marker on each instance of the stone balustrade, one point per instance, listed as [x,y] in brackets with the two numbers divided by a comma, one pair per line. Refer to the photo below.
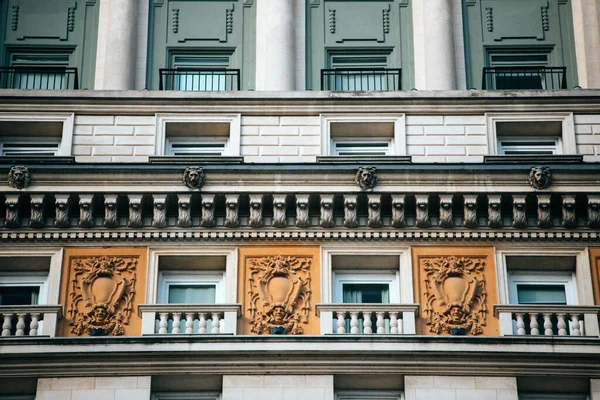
[547,320]
[395,319]
[29,320]
[189,319]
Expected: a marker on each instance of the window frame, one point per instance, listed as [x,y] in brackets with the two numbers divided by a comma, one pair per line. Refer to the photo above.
[542,278]
[66,139]
[212,395]
[365,276]
[556,150]
[388,151]
[363,394]
[191,140]
[167,279]
[37,279]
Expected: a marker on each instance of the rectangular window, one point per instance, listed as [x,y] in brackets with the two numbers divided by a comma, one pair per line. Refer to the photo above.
[350,70]
[191,287]
[187,145]
[19,295]
[529,137]
[40,70]
[541,294]
[368,395]
[191,294]
[34,135]
[375,293]
[362,147]
[519,145]
[200,73]
[14,146]
[186,396]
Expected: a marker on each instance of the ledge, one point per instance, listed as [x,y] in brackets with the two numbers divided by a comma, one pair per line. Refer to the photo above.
[195,160]
[354,160]
[533,159]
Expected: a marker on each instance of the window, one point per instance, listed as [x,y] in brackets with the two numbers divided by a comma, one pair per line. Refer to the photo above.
[41,71]
[186,396]
[553,388]
[200,72]
[358,70]
[27,146]
[199,287]
[549,396]
[19,295]
[368,395]
[363,147]
[194,145]
[539,287]
[23,288]
[362,286]
[35,135]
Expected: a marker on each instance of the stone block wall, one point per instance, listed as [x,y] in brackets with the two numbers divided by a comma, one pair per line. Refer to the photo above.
[277,387]
[100,388]
[587,136]
[460,388]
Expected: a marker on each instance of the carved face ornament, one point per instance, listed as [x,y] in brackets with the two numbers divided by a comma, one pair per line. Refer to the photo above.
[366,177]
[540,178]
[193,177]
[19,177]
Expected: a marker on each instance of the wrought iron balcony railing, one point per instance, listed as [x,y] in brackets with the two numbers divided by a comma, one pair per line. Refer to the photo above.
[39,78]
[508,78]
[199,79]
[379,79]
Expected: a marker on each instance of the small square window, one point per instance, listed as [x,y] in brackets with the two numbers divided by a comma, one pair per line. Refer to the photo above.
[22,135]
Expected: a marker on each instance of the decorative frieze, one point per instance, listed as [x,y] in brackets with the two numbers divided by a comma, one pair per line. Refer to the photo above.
[135,211]
[62,211]
[568,211]
[544,218]
[446,219]
[208,211]
[159,214]
[470,220]
[494,215]
[398,215]
[12,219]
[519,215]
[422,208]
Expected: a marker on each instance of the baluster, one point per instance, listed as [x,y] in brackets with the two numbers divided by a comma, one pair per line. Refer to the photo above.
[189,323]
[547,324]
[575,327]
[533,324]
[394,323]
[20,325]
[353,322]
[202,323]
[380,321]
[176,323]
[367,324]
[341,322]
[216,324]
[34,325]
[520,324]
[562,325]
[7,325]
[164,323]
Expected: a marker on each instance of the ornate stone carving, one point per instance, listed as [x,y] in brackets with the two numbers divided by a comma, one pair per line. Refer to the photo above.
[471,211]
[540,178]
[350,217]
[374,216]
[489,19]
[455,289]
[229,20]
[568,211]
[62,211]
[256,204]
[193,177]
[101,294]
[422,211]
[12,219]
[110,211]
[544,218]
[326,211]
[184,214]
[71,18]
[386,19]
[19,177]
[446,220]
[231,210]
[366,178]
[280,293]
[135,211]
[545,18]
[594,211]
[208,211]
[494,215]
[398,217]
[519,216]
[85,211]
[159,218]
[279,208]
[14,20]
[302,219]
[37,219]
[332,21]
[175,20]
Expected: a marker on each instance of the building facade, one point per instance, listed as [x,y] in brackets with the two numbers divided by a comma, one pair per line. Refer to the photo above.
[290,199]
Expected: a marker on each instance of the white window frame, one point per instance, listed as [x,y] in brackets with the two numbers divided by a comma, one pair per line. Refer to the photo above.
[197,143]
[567,138]
[542,278]
[53,144]
[232,147]
[212,395]
[168,279]
[229,279]
[388,141]
[369,394]
[66,139]
[341,277]
[398,143]
[522,149]
[27,279]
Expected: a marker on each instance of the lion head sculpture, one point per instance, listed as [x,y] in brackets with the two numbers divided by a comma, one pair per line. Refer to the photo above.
[540,177]
[19,177]
[366,178]
[193,177]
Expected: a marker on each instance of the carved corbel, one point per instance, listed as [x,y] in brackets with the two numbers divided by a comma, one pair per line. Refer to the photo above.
[494,211]
[471,211]
[159,218]
[85,211]
[135,211]
[231,210]
[446,220]
[302,219]
[37,219]
[279,208]
[519,216]
[208,211]
[256,205]
[326,211]
[12,219]
[184,213]
[422,201]
[544,219]
[398,217]
[594,211]
[110,211]
[374,220]
[568,211]
[350,217]
[62,211]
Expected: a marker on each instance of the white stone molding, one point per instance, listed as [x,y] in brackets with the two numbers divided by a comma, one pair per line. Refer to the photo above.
[225,314]
[67,119]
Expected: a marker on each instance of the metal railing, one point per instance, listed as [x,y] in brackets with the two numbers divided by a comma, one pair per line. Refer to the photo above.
[349,79]
[199,79]
[508,78]
[39,78]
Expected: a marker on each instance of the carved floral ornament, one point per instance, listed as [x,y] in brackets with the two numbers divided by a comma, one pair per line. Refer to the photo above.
[193,177]
[19,177]
[455,293]
[540,178]
[366,178]
[279,291]
[101,295]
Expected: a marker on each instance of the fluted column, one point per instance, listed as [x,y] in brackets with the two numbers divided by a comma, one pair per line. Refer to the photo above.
[440,68]
[275,45]
[121,46]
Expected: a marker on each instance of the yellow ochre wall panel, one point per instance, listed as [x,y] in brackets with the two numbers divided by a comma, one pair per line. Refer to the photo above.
[595,265]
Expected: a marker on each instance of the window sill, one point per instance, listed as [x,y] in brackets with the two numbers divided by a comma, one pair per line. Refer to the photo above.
[533,158]
[364,159]
[187,160]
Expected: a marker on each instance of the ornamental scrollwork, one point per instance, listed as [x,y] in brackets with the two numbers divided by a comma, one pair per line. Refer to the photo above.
[19,177]
[280,293]
[455,292]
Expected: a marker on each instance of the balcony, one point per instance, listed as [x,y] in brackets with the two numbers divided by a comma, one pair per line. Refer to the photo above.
[520,78]
[199,79]
[190,319]
[361,79]
[29,320]
[366,319]
[534,320]
[39,78]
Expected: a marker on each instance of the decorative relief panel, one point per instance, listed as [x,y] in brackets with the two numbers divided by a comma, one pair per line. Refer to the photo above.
[456,290]
[514,19]
[100,291]
[206,21]
[343,18]
[278,289]
[59,19]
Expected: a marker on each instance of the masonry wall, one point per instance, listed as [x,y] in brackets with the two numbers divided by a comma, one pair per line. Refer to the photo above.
[587,136]
[277,387]
[101,388]
[460,388]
